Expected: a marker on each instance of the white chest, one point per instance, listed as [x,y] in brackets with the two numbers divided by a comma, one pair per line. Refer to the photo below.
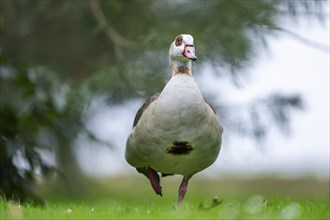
[180,101]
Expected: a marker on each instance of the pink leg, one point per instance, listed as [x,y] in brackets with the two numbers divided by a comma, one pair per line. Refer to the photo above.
[183,189]
[154,181]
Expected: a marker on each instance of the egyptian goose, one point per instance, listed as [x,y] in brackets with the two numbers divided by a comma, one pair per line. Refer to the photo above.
[175,131]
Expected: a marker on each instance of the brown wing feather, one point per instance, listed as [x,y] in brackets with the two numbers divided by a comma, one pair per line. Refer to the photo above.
[144,107]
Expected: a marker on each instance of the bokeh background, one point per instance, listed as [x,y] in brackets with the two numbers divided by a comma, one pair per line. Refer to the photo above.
[74,73]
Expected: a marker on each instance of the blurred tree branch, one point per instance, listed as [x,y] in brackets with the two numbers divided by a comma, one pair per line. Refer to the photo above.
[244,5]
[118,40]
[256,118]
[305,41]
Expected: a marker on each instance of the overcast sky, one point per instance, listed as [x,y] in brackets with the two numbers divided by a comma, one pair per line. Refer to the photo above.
[288,66]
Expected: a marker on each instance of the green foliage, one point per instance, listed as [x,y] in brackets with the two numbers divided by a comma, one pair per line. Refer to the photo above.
[38,112]
[57,55]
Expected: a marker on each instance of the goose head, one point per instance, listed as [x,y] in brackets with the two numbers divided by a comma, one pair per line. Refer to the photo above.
[182,51]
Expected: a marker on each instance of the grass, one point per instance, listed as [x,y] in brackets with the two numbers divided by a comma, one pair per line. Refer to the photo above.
[132,198]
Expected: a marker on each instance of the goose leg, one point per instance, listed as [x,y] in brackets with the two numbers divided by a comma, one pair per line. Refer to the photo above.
[183,189]
[154,181]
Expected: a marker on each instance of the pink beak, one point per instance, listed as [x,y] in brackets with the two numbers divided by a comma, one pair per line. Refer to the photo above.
[189,52]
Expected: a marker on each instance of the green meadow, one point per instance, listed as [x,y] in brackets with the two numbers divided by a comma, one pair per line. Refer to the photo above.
[133,198]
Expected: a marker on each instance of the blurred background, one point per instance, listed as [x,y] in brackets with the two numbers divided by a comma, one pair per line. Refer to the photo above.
[74,73]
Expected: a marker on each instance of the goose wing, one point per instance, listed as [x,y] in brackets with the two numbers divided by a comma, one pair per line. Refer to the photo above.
[145,105]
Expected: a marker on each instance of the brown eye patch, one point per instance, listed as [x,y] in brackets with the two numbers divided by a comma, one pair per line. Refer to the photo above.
[178,40]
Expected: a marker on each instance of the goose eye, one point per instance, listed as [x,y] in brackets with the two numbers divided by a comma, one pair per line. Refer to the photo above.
[178,40]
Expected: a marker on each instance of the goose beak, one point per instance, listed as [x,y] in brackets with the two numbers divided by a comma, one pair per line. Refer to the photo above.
[189,52]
